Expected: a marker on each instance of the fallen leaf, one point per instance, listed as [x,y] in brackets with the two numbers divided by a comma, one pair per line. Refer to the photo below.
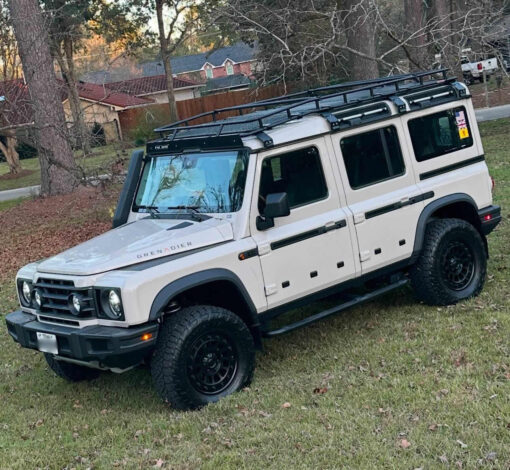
[286,405]
[491,456]
[458,441]
[159,463]
[443,459]
[320,391]
[404,443]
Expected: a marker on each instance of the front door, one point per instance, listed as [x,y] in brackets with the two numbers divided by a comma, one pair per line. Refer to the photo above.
[310,249]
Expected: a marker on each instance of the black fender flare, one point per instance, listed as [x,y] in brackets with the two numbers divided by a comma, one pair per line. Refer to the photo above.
[429,209]
[185,283]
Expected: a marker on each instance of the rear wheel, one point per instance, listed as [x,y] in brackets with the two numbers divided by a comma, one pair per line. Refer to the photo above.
[452,265]
[203,354]
[71,372]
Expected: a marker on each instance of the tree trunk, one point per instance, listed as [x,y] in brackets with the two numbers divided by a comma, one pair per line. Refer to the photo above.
[10,152]
[415,23]
[359,23]
[58,167]
[447,14]
[165,56]
[66,64]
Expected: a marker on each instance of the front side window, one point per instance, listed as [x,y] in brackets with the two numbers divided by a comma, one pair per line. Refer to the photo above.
[207,182]
[372,157]
[440,133]
[298,173]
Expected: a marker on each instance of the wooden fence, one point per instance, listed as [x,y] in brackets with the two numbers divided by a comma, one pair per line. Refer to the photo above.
[141,120]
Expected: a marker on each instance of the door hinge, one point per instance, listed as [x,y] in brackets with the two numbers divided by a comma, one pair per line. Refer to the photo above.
[364,255]
[270,289]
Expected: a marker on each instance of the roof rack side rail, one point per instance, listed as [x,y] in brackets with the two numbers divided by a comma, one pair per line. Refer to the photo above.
[295,102]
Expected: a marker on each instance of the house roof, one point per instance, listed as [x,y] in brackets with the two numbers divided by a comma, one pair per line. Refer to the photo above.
[238,52]
[102,94]
[146,85]
[228,81]
[15,105]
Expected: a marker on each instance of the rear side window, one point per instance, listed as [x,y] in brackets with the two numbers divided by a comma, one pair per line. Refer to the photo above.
[372,157]
[440,133]
[298,173]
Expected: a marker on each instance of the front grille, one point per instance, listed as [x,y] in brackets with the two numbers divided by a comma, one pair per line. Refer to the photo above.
[55,298]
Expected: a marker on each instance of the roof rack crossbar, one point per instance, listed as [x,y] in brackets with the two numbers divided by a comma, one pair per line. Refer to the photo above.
[291,102]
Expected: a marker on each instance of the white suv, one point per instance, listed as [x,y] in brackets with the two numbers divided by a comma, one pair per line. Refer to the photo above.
[223,226]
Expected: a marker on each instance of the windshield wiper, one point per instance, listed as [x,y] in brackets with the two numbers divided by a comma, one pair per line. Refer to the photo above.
[153,211]
[194,212]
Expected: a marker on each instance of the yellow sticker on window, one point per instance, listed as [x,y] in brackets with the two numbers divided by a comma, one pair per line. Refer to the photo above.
[463,133]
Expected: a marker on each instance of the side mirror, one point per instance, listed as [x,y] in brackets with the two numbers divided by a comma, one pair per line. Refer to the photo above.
[277,205]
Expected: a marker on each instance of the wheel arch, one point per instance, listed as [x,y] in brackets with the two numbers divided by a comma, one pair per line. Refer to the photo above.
[209,284]
[458,206]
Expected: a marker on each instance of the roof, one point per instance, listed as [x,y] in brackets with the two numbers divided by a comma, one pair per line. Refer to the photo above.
[146,85]
[15,106]
[228,81]
[102,94]
[238,52]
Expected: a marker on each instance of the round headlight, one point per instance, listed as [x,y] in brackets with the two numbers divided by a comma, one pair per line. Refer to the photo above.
[115,303]
[38,298]
[74,303]
[26,291]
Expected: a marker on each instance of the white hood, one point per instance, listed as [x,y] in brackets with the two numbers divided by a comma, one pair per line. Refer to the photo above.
[138,241]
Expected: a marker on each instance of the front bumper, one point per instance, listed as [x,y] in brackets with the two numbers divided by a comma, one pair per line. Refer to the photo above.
[490,217]
[111,347]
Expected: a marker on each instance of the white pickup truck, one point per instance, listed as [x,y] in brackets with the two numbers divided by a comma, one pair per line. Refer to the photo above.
[473,71]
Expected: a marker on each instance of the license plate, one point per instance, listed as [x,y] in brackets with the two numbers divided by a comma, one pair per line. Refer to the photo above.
[47,343]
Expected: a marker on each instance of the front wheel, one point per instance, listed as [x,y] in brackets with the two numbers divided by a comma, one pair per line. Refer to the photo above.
[452,265]
[203,353]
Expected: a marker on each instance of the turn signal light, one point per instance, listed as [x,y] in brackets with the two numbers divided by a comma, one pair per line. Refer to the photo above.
[479,66]
[146,336]
[487,217]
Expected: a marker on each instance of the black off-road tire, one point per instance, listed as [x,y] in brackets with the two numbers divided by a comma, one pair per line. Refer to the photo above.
[452,265]
[71,372]
[203,353]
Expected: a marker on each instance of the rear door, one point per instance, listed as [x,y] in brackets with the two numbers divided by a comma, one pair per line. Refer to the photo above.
[381,192]
[312,248]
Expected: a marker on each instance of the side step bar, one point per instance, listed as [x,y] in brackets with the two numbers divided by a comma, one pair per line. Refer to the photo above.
[339,308]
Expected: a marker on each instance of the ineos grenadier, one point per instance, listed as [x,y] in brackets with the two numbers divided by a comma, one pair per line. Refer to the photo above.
[236,216]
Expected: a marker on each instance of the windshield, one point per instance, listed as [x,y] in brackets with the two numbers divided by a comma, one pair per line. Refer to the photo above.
[206,182]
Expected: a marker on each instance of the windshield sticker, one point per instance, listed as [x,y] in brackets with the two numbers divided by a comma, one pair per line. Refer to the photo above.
[460,118]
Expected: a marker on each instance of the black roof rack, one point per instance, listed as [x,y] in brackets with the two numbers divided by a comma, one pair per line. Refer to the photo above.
[257,117]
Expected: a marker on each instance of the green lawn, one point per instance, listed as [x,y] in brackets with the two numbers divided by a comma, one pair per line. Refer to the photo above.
[99,162]
[392,384]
